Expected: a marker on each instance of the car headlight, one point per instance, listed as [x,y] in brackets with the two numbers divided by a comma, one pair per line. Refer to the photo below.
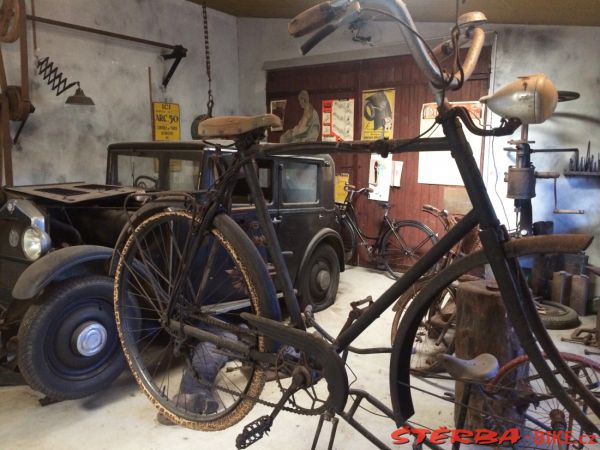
[35,243]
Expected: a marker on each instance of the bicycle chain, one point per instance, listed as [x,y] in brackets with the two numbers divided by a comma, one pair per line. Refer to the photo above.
[255,399]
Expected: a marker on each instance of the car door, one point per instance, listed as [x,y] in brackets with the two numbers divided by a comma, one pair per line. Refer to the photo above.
[299,205]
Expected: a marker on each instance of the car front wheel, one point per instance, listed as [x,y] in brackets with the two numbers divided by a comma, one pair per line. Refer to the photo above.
[320,278]
[68,343]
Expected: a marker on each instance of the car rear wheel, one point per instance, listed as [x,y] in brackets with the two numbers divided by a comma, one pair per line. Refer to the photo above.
[67,343]
[320,278]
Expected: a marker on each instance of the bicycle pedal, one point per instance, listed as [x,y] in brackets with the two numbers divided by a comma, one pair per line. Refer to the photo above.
[253,432]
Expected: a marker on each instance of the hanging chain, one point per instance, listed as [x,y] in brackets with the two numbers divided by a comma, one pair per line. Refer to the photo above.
[211,102]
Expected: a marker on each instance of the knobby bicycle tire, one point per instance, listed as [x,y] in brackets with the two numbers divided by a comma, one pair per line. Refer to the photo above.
[190,382]
[403,246]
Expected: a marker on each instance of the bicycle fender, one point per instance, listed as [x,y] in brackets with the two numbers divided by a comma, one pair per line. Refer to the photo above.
[324,354]
[400,391]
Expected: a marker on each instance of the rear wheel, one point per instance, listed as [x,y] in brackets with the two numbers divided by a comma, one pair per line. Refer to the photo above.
[435,333]
[348,239]
[518,384]
[403,246]
[320,278]
[171,351]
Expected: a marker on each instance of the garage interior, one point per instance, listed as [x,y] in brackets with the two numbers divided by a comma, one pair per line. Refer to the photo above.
[99,83]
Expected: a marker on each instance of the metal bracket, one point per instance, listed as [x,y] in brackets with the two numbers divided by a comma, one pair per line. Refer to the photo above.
[178,53]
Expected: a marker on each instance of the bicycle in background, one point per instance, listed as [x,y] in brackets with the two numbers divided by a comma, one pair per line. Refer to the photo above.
[398,244]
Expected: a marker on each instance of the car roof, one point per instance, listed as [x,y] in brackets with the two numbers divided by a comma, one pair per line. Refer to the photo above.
[195,146]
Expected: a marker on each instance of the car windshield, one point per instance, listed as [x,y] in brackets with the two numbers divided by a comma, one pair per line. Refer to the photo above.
[144,171]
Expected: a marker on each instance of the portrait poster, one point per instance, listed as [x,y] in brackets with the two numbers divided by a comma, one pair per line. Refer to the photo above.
[380,177]
[337,120]
[440,167]
[377,114]
[277,107]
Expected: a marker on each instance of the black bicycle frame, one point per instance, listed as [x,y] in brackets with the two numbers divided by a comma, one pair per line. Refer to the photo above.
[516,296]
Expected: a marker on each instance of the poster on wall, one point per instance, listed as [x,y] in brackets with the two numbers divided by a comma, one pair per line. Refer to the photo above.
[337,120]
[165,122]
[377,114]
[440,167]
[277,107]
[380,177]
[341,180]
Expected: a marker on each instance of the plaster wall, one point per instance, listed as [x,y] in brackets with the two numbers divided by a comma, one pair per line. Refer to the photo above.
[569,57]
[65,142]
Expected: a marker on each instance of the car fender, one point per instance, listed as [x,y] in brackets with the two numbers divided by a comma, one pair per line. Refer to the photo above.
[149,209]
[328,236]
[60,265]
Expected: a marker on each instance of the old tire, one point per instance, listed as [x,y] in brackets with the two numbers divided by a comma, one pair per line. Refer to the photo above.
[559,316]
[320,278]
[67,343]
[348,239]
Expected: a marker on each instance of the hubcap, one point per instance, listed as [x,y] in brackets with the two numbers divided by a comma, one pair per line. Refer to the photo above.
[90,338]
[323,279]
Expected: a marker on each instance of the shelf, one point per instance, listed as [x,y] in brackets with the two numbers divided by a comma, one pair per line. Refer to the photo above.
[569,173]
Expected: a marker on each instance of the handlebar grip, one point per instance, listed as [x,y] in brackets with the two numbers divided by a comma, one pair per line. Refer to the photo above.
[330,28]
[349,187]
[470,61]
[317,37]
[430,209]
[369,190]
[314,18]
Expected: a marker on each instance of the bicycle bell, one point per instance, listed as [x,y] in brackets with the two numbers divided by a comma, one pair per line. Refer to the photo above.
[531,99]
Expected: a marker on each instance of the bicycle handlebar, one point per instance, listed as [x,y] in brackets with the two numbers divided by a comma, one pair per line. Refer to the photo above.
[324,14]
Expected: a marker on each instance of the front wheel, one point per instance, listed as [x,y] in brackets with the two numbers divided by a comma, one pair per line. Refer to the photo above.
[68,344]
[169,318]
[404,245]
[320,278]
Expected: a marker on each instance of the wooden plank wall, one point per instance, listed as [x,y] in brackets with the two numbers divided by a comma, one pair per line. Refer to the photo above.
[348,80]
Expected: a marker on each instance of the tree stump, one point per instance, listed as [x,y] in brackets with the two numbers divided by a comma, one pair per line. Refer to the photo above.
[483,327]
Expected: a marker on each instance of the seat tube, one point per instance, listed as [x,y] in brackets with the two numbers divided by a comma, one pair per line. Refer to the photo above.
[273,246]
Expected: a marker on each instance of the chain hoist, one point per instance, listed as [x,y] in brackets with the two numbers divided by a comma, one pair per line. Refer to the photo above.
[211,102]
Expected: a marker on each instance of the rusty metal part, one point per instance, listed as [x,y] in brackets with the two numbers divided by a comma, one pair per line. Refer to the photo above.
[521,183]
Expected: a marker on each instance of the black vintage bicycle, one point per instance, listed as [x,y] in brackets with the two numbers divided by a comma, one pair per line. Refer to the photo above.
[198,315]
[398,244]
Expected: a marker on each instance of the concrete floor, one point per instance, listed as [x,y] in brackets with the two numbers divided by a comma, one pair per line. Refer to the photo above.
[121,417]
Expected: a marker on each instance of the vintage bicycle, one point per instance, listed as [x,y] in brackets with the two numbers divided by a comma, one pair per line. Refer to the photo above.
[182,331]
[398,244]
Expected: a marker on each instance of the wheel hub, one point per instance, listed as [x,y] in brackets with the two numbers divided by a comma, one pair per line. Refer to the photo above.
[323,279]
[90,338]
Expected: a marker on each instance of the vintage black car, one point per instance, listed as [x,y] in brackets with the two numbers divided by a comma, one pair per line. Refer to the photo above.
[56,243]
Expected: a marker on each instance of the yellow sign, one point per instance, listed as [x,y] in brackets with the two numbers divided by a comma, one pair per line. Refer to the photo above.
[165,121]
[378,114]
[340,181]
